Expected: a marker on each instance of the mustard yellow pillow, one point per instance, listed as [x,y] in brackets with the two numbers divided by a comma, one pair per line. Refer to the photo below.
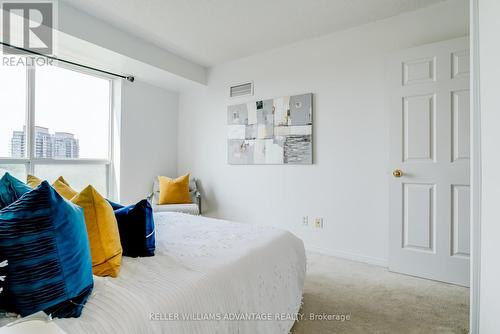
[174,191]
[33,181]
[64,190]
[102,229]
[60,185]
[63,180]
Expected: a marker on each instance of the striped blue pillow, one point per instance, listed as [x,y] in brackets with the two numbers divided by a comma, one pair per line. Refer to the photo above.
[11,189]
[45,241]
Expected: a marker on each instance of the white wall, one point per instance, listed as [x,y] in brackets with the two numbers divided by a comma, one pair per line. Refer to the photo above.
[148,138]
[348,183]
[489,55]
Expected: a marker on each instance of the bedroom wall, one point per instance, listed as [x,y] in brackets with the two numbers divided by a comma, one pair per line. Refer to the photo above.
[348,183]
[148,138]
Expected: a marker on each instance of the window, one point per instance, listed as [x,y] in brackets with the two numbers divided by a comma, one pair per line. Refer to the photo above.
[13,85]
[55,121]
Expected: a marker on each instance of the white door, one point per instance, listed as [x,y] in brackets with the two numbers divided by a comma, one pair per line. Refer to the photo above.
[429,188]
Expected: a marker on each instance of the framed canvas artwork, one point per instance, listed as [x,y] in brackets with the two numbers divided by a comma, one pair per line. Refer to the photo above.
[274,131]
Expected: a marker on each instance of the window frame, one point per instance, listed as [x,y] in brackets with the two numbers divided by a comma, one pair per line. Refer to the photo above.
[30,161]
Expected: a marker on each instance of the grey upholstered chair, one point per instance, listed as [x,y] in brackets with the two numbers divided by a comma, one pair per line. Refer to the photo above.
[193,208]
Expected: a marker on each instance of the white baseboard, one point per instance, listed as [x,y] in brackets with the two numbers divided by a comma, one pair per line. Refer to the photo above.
[350,256]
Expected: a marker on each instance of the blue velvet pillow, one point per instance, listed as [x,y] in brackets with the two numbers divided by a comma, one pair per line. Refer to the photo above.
[114,205]
[11,189]
[44,238]
[137,229]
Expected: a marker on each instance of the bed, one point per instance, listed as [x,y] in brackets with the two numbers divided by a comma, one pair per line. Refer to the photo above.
[208,276]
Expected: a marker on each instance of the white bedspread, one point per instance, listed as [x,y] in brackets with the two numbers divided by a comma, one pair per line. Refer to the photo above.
[202,268]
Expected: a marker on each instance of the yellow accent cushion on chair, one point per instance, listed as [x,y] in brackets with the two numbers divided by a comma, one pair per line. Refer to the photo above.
[174,191]
[60,185]
[102,229]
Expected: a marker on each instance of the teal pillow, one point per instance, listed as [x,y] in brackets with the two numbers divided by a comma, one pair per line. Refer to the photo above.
[11,189]
[45,241]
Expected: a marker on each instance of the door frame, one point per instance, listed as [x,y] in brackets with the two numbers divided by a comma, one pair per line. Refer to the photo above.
[475,168]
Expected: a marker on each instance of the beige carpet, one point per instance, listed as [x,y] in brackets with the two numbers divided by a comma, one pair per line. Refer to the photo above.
[378,301]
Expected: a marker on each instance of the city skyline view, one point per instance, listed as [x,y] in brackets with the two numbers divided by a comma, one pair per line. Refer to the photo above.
[63,101]
[47,145]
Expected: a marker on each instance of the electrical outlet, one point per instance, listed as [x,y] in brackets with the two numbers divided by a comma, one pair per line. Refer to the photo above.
[318,222]
[305,221]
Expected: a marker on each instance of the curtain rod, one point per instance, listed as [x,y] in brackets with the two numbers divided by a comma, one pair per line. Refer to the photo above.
[126,77]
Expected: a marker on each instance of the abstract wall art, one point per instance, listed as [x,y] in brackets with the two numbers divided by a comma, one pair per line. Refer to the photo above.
[274,131]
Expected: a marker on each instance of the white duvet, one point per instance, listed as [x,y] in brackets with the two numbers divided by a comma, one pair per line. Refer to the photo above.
[244,278]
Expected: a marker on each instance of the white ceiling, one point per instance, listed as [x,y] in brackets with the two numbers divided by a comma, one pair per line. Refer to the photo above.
[211,32]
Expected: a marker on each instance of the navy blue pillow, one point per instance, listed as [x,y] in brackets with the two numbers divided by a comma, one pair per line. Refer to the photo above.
[44,238]
[11,189]
[137,229]
[114,205]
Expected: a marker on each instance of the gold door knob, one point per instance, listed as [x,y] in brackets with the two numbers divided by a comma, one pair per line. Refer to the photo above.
[397,173]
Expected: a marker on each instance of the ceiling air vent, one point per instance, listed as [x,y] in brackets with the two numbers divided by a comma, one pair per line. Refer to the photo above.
[241,90]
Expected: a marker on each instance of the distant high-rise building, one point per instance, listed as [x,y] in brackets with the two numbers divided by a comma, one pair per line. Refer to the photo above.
[58,145]
[18,144]
[43,143]
[65,145]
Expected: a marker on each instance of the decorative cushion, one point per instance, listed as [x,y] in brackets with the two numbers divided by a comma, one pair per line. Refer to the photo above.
[114,205]
[192,185]
[174,191]
[44,239]
[63,180]
[102,230]
[33,181]
[137,229]
[60,185]
[11,189]
[193,189]
[64,189]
